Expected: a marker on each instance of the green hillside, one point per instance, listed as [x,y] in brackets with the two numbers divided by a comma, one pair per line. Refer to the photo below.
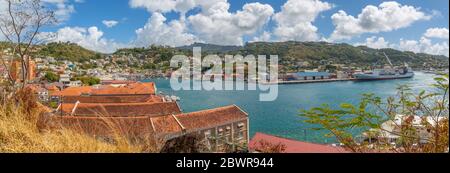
[316,53]
[68,51]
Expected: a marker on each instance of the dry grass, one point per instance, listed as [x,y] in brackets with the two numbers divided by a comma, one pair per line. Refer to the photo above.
[19,134]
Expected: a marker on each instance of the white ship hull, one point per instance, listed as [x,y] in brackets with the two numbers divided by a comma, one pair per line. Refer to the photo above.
[382,77]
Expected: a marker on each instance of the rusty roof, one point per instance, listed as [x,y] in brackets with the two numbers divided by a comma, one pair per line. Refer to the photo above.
[113,99]
[120,109]
[212,117]
[137,88]
[161,125]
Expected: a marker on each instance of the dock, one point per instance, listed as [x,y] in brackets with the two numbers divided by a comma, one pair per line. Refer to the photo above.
[308,81]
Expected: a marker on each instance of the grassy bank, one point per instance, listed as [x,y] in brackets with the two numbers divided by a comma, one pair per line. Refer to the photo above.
[19,133]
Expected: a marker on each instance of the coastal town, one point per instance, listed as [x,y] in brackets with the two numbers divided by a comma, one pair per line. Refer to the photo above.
[69,88]
[113,100]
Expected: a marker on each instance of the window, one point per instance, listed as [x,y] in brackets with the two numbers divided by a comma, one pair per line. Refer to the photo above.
[228,131]
[240,135]
[208,133]
[220,132]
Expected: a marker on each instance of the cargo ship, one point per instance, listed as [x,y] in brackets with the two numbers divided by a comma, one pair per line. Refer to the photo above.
[388,72]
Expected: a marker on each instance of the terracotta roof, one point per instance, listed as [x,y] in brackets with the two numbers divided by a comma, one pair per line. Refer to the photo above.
[165,125]
[114,99]
[144,126]
[134,88]
[121,109]
[212,117]
[52,88]
[73,91]
[110,82]
[132,127]
[293,146]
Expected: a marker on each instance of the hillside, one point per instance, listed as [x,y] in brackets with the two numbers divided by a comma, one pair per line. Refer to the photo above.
[211,48]
[339,53]
[318,53]
[291,54]
[68,51]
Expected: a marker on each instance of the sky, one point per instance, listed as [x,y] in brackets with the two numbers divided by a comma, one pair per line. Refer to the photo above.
[106,25]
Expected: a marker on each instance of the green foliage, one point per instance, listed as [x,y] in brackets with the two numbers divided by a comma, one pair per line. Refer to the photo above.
[68,51]
[53,105]
[51,77]
[372,112]
[314,52]
[87,80]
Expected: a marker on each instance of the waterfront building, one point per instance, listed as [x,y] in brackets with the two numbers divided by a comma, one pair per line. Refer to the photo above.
[223,129]
[311,75]
[137,112]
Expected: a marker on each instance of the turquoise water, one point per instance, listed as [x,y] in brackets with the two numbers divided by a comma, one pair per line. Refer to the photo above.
[280,117]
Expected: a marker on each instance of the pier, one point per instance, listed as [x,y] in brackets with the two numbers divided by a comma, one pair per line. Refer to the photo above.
[308,81]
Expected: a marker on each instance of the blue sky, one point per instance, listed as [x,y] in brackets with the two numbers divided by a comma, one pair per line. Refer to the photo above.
[89,13]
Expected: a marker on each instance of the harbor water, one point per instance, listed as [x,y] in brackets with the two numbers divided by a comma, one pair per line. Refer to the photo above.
[281,117]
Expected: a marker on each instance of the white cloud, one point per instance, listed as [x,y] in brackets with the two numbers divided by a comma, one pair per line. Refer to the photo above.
[213,24]
[375,42]
[295,21]
[388,16]
[216,25]
[62,8]
[264,37]
[441,33]
[158,32]
[154,5]
[89,38]
[424,45]
[110,23]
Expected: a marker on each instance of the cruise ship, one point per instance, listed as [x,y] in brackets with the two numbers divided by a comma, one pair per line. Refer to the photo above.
[388,72]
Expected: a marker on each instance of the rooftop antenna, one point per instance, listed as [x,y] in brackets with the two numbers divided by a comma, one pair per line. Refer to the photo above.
[389,60]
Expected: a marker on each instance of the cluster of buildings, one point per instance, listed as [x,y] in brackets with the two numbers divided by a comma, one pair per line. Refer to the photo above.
[391,132]
[135,110]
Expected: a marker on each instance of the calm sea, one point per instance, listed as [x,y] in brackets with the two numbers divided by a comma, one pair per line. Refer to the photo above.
[280,117]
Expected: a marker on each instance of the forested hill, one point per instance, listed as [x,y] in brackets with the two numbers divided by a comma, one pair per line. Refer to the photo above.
[68,51]
[290,53]
[317,52]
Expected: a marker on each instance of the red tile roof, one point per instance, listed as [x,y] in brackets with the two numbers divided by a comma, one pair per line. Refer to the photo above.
[293,146]
[166,125]
[132,127]
[161,125]
[137,88]
[116,82]
[211,118]
[114,99]
[120,109]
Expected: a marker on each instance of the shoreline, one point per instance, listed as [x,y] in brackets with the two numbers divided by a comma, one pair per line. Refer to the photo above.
[307,81]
